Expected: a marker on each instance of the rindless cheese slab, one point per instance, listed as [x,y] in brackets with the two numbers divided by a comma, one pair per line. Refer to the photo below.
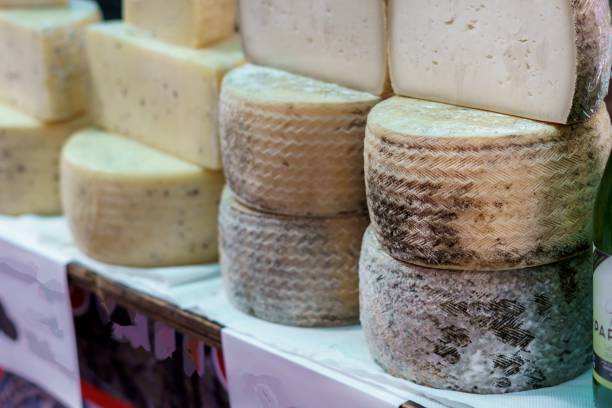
[293,145]
[159,94]
[340,41]
[43,70]
[461,188]
[545,60]
[129,204]
[191,23]
[477,332]
[290,270]
[32,3]
[29,162]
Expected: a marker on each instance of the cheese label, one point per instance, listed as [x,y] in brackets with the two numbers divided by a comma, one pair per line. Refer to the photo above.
[602,319]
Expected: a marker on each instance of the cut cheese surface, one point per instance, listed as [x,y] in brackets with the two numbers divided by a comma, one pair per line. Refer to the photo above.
[343,41]
[159,94]
[290,270]
[43,70]
[192,23]
[460,188]
[545,60]
[129,204]
[291,144]
[477,332]
[30,3]
[29,162]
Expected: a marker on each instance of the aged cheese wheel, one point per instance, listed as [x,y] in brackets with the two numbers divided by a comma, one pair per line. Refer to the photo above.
[293,145]
[29,162]
[129,204]
[290,270]
[460,188]
[478,332]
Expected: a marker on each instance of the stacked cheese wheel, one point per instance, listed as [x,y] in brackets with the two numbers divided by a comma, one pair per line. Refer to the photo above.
[143,189]
[43,95]
[294,211]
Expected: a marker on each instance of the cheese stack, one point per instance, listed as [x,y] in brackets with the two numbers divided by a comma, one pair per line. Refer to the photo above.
[294,210]
[43,97]
[143,189]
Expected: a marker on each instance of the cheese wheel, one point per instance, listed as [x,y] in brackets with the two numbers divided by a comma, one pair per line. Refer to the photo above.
[545,60]
[460,188]
[128,204]
[478,332]
[289,270]
[44,70]
[29,162]
[293,145]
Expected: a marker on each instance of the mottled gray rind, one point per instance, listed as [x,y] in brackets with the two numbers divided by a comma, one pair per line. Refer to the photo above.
[477,332]
[290,270]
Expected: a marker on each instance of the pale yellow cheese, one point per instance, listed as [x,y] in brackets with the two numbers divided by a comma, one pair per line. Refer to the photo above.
[31,3]
[43,70]
[29,162]
[129,204]
[192,23]
[159,94]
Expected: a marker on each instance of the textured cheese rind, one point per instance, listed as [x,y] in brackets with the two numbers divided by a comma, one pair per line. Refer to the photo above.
[128,204]
[460,188]
[29,162]
[30,3]
[293,145]
[159,94]
[343,42]
[290,270]
[192,23]
[478,332]
[43,70]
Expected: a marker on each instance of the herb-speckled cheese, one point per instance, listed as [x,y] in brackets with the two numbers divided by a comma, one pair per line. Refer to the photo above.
[478,332]
[290,270]
[129,204]
[159,94]
[291,144]
[29,162]
[461,188]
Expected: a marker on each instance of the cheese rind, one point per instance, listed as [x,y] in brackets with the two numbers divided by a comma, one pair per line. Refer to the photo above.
[343,41]
[192,23]
[43,70]
[477,332]
[460,188]
[159,94]
[290,270]
[32,3]
[29,162]
[128,204]
[293,145]
[547,61]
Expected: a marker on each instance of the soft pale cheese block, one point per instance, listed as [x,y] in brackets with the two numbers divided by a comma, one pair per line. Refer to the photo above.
[31,3]
[159,94]
[192,23]
[293,145]
[290,270]
[340,41]
[129,204]
[44,70]
[545,60]
[462,188]
[477,332]
[29,162]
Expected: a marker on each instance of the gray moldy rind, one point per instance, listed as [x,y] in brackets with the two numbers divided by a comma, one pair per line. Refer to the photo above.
[477,332]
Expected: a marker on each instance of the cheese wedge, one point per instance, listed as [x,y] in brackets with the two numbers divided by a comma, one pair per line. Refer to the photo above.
[293,145]
[29,162]
[545,60]
[129,204]
[477,332]
[159,94]
[43,70]
[460,188]
[32,3]
[341,41]
[192,23]
[290,270]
